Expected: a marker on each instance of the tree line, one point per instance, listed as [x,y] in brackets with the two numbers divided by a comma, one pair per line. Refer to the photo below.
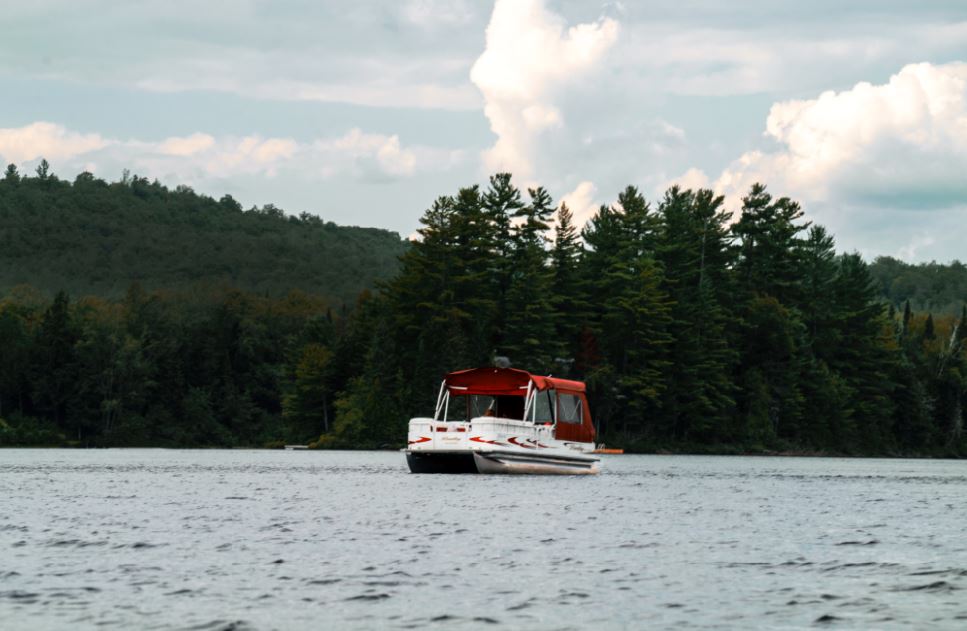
[932,287]
[93,237]
[694,329]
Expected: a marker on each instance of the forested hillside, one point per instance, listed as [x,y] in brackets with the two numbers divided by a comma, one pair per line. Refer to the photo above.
[694,332]
[91,237]
[934,287]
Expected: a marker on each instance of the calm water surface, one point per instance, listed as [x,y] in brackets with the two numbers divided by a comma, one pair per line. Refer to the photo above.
[283,540]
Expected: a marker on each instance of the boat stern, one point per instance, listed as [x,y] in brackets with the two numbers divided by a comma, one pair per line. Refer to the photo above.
[439,447]
[428,435]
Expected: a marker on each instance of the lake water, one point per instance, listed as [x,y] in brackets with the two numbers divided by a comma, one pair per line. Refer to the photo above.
[285,540]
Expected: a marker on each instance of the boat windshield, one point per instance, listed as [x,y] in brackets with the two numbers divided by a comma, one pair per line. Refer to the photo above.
[463,407]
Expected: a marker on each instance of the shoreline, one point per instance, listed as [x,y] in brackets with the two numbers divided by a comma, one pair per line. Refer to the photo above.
[765,453]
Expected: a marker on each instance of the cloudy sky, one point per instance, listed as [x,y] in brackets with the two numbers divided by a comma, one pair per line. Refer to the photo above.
[364,112]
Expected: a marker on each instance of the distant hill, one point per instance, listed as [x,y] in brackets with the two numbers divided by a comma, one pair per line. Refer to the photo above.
[95,237]
[933,287]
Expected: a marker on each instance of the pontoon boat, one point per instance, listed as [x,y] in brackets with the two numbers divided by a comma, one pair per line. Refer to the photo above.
[503,420]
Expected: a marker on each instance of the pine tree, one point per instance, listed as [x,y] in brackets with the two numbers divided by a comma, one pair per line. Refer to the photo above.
[43,170]
[55,368]
[372,412]
[14,361]
[694,248]
[476,307]
[862,358]
[306,406]
[11,177]
[769,275]
[630,318]
[769,254]
[501,201]
[423,302]
[530,336]
[641,317]
[572,312]
[817,254]
[771,399]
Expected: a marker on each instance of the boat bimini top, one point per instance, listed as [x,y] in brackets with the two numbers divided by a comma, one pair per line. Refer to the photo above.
[518,395]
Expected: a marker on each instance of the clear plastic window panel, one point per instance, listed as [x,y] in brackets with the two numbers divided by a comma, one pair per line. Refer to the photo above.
[569,409]
[464,407]
[543,407]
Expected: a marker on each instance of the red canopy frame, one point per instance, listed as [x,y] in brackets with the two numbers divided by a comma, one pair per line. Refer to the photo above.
[505,381]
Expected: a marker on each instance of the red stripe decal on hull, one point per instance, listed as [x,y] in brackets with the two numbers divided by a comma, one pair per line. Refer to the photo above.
[478,439]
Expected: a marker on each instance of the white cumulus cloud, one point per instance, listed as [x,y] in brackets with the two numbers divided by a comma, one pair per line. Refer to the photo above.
[531,57]
[249,155]
[186,146]
[692,178]
[200,156]
[369,153]
[46,140]
[899,144]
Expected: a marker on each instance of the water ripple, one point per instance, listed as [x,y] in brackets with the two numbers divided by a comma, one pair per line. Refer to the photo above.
[244,540]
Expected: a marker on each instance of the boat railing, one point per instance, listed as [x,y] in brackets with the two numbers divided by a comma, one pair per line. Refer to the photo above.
[528,399]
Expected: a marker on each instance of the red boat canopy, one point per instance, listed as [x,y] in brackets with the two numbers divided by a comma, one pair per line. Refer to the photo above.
[504,381]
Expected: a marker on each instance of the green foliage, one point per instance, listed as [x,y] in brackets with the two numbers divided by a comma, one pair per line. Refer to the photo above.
[697,255]
[158,368]
[25,431]
[691,330]
[932,287]
[94,237]
[306,407]
[567,290]
[529,310]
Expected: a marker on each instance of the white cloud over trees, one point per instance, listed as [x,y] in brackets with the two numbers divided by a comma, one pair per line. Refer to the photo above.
[531,58]
[46,140]
[902,143]
[199,155]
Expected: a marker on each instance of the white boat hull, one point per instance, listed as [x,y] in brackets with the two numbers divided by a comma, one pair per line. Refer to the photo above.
[494,445]
[507,462]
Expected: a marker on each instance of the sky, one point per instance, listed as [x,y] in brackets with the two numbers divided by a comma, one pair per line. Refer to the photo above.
[363,113]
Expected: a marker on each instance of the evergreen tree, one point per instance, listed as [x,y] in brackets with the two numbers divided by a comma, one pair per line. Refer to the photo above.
[631,319]
[43,170]
[371,412]
[864,361]
[572,311]
[11,177]
[694,248]
[14,361]
[769,274]
[477,309]
[530,336]
[306,406]
[769,253]
[501,201]
[819,268]
[641,317]
[55,371]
